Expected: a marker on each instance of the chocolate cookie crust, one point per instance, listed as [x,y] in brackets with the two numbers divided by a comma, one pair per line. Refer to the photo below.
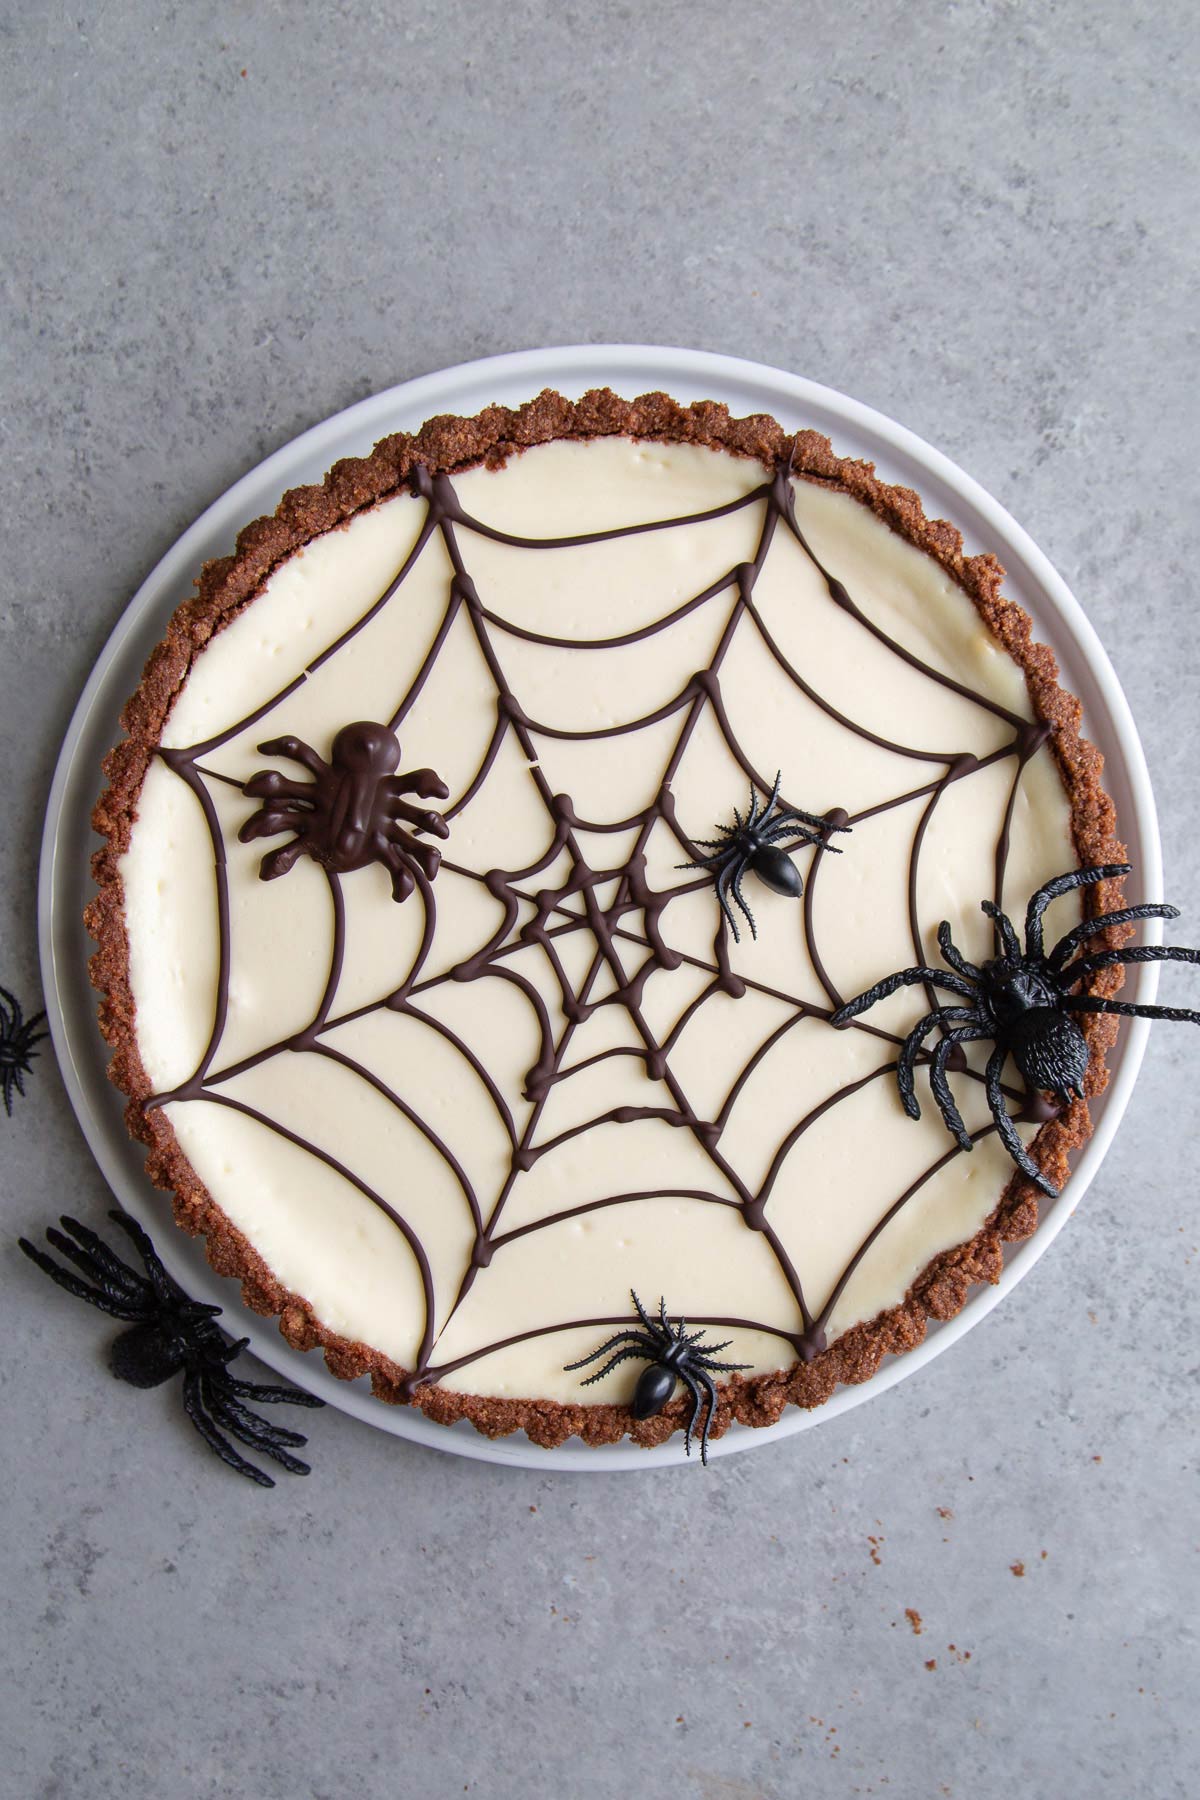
[451,444]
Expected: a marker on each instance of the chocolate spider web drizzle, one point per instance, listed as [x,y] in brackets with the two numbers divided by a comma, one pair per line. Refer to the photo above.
[445,516]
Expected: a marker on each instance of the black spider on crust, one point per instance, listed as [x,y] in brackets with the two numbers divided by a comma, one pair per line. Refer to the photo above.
[351,813]
[1021,1000]
[755,844]
[168,1332]
[673,1356]
[18,1035]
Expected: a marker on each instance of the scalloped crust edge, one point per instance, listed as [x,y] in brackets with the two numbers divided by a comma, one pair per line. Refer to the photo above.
[448,443]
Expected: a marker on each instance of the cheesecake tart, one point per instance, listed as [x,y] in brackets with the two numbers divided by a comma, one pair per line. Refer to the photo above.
[496,836]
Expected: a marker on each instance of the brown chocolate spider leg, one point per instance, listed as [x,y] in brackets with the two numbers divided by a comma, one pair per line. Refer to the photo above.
[278,862]
[395,861]
[420,816]
[295,750]
[269,784]
[1005,1126]
[1128,915]
[1063,884]
[622,1337]
[953,955]
[1137,953]
[425,783]
[905,1062]
[193,1406]
[1004,928]
[1128,1009]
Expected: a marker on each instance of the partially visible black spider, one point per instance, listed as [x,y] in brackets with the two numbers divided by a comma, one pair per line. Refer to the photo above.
[1021,1000]
[755,844]
[353,812]
[169,1332]
[673,1356]
[18,1035]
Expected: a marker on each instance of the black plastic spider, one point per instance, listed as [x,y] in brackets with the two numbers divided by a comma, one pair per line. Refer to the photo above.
[18,1035]
[353,812]
[673,1356]
[170,1332]
[1021,1000]
[754,843]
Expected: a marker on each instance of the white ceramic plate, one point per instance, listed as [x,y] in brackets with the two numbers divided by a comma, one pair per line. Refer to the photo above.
[856,430]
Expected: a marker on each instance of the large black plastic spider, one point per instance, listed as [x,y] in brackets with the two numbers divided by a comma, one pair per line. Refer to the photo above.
[353,812]
[170,1332]
[1021,1000]
[18,1035]
[755,843]
[673,1356]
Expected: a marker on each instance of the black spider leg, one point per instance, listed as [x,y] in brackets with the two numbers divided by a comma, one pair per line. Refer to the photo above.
[689,1382]
[906,1061]
[953,955]
[739,871]
[1128,915]
[638,1345]
[224,1411]
[940,1087]
[109,1300]
[1063,884]
[1005,1126]
[1137,953]
[649,1324]
[1004,929]
[724,881]
[1129,1009]
[194,1407]
[891,984]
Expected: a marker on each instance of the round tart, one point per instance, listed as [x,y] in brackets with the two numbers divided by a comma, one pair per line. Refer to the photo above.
[498,833]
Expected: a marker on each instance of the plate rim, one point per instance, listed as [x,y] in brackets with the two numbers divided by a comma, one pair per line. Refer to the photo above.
[572,368]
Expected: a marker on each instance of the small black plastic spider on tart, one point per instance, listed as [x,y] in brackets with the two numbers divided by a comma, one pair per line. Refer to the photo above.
[1021,1000]
[353,812]
[169,1332]
[18,1035]
[755,845]
[673,1355]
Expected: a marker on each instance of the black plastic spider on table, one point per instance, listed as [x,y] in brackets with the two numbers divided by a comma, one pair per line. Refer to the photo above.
[168,1332]
[1021,1000]
[673,1355]
[755,844]
[18,1035]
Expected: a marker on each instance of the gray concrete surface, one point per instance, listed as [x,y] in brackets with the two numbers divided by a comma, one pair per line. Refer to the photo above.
[220,223]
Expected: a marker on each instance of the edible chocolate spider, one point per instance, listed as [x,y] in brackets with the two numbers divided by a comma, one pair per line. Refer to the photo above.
[18,1035]
[754,843]
[350,814]
[673,1356]
[1021,1001]
[169,1332]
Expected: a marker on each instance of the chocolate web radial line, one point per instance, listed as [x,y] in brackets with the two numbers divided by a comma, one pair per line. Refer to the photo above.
[444,515]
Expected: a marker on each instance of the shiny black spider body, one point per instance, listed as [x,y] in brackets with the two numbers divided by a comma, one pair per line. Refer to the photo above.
[169,1332]
[1022,1000]
[673,1355]
[18,1035]
[757,844]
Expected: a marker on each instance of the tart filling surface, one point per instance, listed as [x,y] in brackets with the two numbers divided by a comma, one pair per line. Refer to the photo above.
[481,1053]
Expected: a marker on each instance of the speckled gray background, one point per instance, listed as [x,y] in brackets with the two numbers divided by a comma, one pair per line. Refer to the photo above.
[220,224]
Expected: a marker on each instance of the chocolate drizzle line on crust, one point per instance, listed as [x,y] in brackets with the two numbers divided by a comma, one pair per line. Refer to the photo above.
[757,1399]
